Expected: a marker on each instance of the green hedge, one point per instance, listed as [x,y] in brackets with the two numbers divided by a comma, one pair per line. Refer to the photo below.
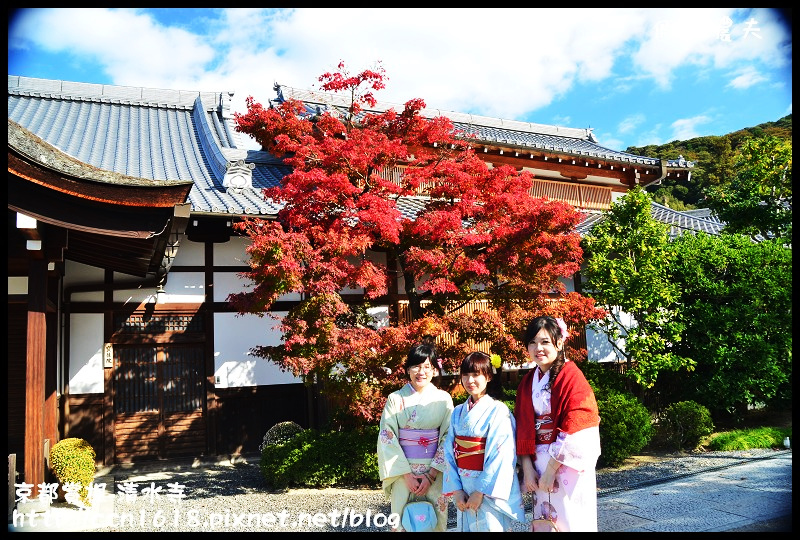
[323,459]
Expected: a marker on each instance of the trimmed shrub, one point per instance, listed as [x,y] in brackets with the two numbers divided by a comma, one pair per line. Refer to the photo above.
[315,459]
[625,427]
[683,425]
[72,462]
[280,433]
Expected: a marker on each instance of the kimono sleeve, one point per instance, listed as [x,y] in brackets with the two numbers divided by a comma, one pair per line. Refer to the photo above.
[499,459]
[439,462]
[452,480]
[391,460]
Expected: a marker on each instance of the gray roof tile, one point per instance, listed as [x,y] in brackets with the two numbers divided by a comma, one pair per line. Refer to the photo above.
[169,135]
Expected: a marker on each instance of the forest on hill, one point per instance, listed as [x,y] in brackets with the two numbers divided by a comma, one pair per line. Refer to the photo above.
[713,157]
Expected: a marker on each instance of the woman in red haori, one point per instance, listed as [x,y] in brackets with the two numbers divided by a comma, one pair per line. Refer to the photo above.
[558,435]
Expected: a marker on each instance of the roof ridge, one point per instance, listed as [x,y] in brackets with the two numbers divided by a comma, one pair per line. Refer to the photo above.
[330,98]
[111,93]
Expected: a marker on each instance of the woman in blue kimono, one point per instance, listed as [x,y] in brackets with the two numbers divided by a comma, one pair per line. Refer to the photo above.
[481,455]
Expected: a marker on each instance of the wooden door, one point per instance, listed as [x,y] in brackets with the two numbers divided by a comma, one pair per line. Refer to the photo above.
[158,396]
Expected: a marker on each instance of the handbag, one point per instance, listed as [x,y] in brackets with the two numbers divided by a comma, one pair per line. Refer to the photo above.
[544,524]
[419,516]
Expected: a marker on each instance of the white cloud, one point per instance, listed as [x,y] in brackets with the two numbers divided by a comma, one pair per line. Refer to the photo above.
[746,78]
[631,123]
[686,128]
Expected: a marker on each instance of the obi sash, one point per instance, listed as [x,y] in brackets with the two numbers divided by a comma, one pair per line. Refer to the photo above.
[419,443]
[544,430]
[469,452]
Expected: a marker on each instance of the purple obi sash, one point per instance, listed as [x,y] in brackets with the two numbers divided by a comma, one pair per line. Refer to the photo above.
[419,443]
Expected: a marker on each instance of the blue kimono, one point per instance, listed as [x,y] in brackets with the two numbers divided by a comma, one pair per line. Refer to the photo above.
[502,501]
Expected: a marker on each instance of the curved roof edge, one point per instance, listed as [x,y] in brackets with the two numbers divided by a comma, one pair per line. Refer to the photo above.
[39,151]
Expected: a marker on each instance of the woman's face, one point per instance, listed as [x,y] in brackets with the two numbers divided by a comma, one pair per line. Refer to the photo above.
[475,384]
[543,351]
[421,375]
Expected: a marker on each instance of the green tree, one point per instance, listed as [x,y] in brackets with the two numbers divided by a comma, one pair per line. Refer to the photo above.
[737,306]
[758,199]
[713,162]
[627,260]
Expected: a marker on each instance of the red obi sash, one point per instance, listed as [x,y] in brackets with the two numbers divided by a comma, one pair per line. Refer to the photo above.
[545,433]
[469,452]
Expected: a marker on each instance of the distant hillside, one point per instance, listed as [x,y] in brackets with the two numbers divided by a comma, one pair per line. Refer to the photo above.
[713,157]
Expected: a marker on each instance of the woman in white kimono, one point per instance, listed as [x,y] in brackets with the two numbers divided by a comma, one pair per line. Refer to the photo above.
[413,426]
[558,434]
[481,455]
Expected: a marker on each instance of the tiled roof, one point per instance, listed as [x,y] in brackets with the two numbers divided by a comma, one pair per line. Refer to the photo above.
[488,130]
[701,220]
[173,135]
[680,222]
[147,133]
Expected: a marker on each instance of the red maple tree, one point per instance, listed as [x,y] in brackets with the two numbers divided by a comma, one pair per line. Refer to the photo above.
[476,234]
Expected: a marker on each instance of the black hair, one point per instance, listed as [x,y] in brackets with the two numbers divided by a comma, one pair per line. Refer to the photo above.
[480,362]
[554,330]
[477,362]
[421,352]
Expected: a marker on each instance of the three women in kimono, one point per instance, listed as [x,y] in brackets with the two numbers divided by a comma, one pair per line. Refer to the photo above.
[481,456]
[414,424]
[558,435]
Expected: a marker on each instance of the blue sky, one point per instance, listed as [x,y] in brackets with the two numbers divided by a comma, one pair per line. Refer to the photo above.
[636,76]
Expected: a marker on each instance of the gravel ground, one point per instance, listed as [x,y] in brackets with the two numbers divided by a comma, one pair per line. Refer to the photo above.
[234,498]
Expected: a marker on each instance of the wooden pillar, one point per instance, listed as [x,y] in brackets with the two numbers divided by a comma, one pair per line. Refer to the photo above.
[35,374]
[211,405]
[51,388]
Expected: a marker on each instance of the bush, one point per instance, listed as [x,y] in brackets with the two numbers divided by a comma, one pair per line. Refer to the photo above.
[764,437]
[683,425]
[601,377]
[625,427]
[314,459]
[72,461]
[280,433]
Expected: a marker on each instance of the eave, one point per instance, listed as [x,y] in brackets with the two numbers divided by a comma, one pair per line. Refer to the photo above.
[91,216]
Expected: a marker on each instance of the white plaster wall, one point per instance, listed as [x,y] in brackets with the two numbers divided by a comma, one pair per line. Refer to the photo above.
[598,347]
[232,253]
[81,274]
[17,285]
[86,353]
[130,296]
[234,366]
[617,194]
[226,283]
[184,288]
[190,253]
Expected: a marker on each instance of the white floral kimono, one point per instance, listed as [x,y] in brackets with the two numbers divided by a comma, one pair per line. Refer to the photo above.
[491,420]
[407,409]
[573,506]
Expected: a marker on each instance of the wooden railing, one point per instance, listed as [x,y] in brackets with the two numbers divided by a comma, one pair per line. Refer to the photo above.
[578,195]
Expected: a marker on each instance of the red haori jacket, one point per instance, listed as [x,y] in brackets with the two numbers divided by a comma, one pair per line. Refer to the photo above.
[572,402]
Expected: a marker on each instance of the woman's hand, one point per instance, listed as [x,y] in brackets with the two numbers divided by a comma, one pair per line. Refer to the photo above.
[474,501]
[425,484]
[530,480]
[413,482]
[548,479]
[460,499]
